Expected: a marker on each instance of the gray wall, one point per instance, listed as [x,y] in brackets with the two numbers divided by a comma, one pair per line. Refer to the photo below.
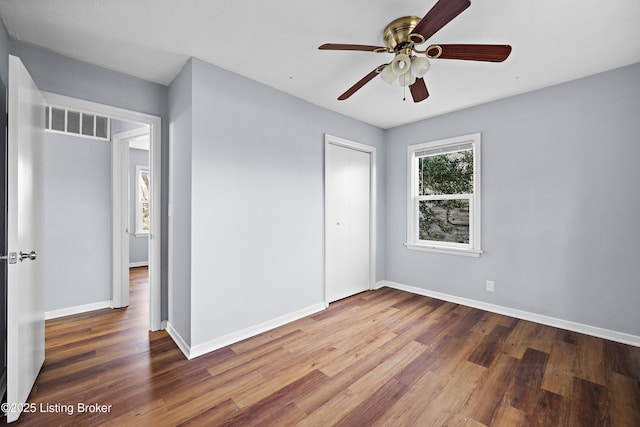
[180,131]
[560,203]
[257,200]
[59,74]
[77,238]
[119,126]
[138,245]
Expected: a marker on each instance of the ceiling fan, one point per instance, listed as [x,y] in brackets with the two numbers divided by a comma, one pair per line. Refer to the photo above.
[402,36]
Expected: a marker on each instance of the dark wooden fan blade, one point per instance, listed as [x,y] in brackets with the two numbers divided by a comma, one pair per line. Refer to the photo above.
[360,47]
[419,90]
[439,16]
[473,52]
[353,89]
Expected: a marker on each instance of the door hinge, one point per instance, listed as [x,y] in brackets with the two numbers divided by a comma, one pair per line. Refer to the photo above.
[12,257]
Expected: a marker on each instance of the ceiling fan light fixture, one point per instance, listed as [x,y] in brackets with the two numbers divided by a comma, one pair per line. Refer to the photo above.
[420,66]
[388,75]
[401,64]
[402,36]
[407,79]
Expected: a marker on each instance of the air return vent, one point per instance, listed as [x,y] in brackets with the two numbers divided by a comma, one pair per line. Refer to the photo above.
[78,123]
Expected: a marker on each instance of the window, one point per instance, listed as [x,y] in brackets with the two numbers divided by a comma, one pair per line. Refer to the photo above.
[89,125]
[142,200]
[443,196]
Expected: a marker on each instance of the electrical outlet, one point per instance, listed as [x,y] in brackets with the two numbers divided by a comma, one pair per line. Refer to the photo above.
[491,286]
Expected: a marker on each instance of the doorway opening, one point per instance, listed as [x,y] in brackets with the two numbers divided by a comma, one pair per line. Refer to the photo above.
[134,128]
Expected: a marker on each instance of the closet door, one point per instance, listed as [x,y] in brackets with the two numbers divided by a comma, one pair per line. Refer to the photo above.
[347,222]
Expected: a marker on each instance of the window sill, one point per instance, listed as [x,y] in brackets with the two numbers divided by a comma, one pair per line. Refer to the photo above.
[143,234]
[444,250]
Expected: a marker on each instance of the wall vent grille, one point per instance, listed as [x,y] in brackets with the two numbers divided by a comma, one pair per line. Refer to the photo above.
[79,123]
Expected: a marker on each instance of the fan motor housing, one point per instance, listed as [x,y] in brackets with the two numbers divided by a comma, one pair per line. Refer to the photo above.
[396,34]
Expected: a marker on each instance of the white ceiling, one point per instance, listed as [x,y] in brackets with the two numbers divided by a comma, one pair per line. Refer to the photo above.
[276,43]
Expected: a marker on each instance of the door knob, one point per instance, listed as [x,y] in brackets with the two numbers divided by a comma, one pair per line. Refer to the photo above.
[31,255]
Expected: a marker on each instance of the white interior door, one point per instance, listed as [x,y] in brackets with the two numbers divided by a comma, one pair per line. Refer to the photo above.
[120,221]
[25,200]
[347,223]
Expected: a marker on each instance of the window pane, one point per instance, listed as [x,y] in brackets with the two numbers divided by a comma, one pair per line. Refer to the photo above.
[145,216]
[73,122]
[444,220]
[450,173]
[143,194]
[87,124]
[57,119]
[101,127]
[46,118]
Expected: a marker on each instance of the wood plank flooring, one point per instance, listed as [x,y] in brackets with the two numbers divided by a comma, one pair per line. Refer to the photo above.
[380,358]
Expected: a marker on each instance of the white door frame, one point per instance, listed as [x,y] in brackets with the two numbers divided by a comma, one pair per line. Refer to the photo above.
[334,140]
[155,258]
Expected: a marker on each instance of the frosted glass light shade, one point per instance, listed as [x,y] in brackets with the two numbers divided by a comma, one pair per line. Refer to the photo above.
[401,64]
[388,75]
[407,79]
[420,66]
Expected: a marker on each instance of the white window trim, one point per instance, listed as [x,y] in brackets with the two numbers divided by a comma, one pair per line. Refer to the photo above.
[474,247]
[139,231]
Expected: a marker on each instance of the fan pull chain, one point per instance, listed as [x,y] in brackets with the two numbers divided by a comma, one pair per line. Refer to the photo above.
[404,93]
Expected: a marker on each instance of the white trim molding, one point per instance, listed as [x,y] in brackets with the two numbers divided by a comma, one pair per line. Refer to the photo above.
[192,352]
[54,314]
[178,339]
[139,264]
[379,285]
[443,250]
[595,331]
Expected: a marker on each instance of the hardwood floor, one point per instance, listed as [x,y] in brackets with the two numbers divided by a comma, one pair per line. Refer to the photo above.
[381,358]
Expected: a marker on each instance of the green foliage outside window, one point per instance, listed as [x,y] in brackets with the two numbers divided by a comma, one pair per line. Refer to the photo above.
[450,173]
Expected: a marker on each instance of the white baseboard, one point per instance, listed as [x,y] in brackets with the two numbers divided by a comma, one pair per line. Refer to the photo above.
[206,347]
[378,285]
[53,314]
[192,352]
[179,340]
[139,264]
[524,315]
